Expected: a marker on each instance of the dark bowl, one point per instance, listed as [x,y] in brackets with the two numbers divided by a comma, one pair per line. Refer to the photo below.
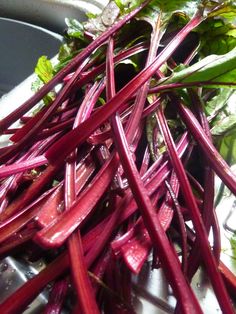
[21,45]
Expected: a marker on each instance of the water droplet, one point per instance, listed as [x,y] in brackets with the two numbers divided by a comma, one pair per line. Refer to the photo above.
[198,285]
[29,274]
[60,207]
[3,267]
[8,283]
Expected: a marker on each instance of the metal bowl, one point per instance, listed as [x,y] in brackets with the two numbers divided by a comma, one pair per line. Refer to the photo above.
[31,28]
[22,45]
[49,14]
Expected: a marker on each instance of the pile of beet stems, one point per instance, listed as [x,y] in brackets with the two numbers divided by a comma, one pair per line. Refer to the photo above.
[110,206]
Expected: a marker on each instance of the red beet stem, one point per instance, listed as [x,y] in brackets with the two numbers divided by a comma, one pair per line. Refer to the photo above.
[216,161]
[6,171]
[20,111]
[170,264]
[83,287]
[208,258]
[77,136]
[56,297]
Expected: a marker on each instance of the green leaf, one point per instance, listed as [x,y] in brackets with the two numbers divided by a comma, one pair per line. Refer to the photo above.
[227,10]
[167,9]
[36,85]
[49,98]
[91,15]
[187,7]
[150,13]
[130,62]
[220,45]
[126,6]
[217,36]
[101,101]
[224,126]
[180,67]
[218,103]
[44,69]
[227,148]
[75,28]
[64,52]
[232,32]
[214,68]
[120,4]
[233,241]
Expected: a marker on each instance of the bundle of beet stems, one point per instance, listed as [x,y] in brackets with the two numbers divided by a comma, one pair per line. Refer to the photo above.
[117,168]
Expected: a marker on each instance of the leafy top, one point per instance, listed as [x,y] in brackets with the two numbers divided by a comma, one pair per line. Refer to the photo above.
[213,68]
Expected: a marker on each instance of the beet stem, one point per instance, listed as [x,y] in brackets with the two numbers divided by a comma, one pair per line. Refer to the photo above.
[208,258]
[7,121]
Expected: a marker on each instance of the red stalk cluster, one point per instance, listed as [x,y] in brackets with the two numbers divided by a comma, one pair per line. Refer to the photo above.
[111,205]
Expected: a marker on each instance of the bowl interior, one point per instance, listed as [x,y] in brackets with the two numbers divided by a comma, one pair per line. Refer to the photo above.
[21,45]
